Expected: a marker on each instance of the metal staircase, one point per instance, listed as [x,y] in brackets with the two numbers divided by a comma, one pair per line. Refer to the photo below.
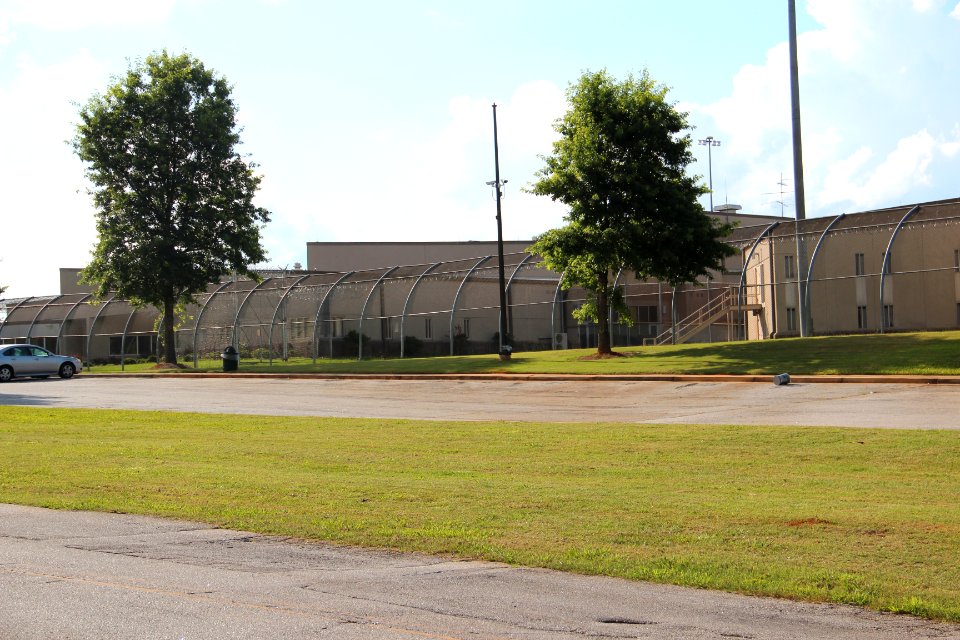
[703,317]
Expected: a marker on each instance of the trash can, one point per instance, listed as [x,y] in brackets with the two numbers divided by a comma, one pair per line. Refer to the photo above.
[506,352]
[231,358]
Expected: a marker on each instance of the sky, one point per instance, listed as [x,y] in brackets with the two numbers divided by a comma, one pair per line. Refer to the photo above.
[372,121]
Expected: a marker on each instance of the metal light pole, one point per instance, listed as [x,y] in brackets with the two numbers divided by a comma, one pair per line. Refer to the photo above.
[710,143]
[798,198]
[497,184]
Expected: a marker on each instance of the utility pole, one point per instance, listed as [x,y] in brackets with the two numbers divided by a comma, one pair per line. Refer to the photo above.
[798,198]
[497,184]
[710,143]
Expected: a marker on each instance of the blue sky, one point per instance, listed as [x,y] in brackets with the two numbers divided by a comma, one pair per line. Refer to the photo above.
[372,121]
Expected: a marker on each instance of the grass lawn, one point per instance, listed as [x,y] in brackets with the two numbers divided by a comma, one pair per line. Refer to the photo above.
[898,353]
[859,516]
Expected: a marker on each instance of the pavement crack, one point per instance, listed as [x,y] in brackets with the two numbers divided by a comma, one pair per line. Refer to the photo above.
[624,621]
[467,616]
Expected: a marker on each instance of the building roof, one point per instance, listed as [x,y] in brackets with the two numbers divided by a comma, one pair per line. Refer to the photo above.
[863,220]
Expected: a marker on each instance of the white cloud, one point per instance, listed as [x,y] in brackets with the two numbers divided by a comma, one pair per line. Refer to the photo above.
[951,147]
[923,6]
[956,12]
[761,94]
[434,186]
[845,34]
[851,179]
[876,114]
[49,199]
[526,121]
[403,183]
[838,184]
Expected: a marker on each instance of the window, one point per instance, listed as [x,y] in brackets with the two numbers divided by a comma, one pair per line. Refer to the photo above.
[298,327]
[428,328]
[791,319]
[466,327]
[958,314]
[887,263]
[862,317]
[789,267]
[888,316]
[386,328]
[956,260]
[859,264]
[645,313]
[145,345]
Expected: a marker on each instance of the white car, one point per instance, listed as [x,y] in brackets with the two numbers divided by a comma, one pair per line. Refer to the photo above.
[28,360]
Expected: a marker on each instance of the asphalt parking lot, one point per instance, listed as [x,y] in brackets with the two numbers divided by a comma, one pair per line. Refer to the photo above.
[903,406]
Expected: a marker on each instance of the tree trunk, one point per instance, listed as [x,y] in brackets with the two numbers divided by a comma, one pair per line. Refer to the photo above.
[603,317]
[169,344]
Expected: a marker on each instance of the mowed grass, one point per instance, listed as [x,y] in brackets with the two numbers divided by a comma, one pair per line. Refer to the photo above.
[868,517]
[900,353]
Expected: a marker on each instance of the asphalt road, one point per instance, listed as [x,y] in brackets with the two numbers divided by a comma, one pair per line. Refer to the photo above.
[906,406]
[82,576]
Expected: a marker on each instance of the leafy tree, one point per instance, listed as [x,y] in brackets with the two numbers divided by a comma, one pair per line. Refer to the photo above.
[619,166]
[174,198]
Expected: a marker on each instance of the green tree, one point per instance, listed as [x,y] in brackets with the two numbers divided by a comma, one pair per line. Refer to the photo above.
[619,166]
[174,198]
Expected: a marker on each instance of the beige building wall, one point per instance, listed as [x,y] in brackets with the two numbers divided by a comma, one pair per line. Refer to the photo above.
[921,291]
[352,256]
[69,281]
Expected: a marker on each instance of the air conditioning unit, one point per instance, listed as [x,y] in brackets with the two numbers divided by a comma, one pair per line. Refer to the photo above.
[561,341]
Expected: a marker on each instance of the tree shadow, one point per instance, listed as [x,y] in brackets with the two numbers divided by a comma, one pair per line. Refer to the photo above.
[930,353]
[10,397]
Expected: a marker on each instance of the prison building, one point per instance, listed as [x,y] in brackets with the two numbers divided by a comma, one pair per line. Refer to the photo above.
[894,269]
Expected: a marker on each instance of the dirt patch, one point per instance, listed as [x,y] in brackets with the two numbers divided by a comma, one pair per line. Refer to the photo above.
[604,356]
[165,366]
[808,522]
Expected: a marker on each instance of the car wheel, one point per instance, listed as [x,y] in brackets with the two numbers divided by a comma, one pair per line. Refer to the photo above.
[6,373]
[67,370]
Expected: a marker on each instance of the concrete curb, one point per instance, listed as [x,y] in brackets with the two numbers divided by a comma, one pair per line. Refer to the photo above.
[553,377]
